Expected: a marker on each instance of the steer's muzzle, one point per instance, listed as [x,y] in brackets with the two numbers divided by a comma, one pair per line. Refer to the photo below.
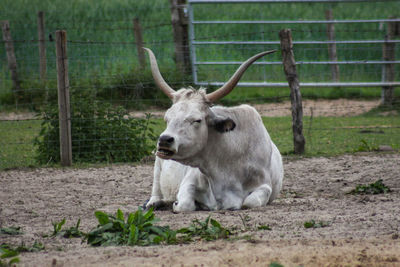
[165,149]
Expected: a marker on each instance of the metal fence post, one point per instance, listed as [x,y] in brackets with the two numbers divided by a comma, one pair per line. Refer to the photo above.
[63,99]
[289,66]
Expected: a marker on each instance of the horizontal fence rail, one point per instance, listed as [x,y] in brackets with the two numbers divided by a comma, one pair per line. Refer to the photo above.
[298,62]
[292,21]
[278,1]
[294,42]
[316,84]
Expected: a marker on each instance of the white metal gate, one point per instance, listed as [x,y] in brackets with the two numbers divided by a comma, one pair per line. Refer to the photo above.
[379,40]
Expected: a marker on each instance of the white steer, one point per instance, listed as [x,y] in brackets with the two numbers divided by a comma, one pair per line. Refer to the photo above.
[213,157]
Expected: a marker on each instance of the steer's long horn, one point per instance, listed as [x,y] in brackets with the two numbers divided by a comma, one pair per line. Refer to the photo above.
[229,85]
[158,79]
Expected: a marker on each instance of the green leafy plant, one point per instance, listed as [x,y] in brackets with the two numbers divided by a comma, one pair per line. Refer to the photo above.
[8,251]
[314,224]
[264,227]
[73,231]
[13,230]
[209,229]
[100,132]
[36,246]
[57,226]
[137,229]
[377,187]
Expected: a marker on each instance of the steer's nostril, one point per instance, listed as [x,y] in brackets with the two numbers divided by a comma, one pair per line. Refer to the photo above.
[166,139]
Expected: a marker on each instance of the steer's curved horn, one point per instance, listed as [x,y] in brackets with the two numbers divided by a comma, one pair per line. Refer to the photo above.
[159,80]
[229,85]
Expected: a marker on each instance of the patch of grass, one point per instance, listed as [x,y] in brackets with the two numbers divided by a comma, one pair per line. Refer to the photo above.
[377,187]
[16,142]
[275,264]
[315,224]
[331,136]
[382,110]
[366,147]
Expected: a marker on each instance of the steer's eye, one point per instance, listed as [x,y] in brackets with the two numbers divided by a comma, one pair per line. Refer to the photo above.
[197,121]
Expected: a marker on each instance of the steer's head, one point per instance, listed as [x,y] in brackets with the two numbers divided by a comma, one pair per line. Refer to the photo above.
[190,118]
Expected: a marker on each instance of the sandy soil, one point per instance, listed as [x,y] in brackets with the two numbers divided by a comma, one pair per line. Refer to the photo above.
[362,230]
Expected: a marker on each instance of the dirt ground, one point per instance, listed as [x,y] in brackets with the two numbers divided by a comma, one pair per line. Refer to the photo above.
[361,231]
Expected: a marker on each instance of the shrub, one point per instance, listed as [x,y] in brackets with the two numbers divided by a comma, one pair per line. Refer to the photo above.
[99,131]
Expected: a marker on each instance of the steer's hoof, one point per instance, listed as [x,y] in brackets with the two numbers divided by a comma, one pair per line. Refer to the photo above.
[175,207]
[144,206]
[158,205]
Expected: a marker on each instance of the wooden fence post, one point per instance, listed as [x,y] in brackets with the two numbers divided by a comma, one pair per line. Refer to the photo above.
[289,66]
[63,99]
[388,70]
[137,30]
[330,31]
[12,61]
[42,46]
[179,22]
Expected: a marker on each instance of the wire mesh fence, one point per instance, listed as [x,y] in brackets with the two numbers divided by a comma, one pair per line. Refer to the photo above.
[110,90]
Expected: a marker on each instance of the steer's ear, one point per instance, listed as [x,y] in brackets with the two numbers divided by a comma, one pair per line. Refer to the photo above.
[222,125]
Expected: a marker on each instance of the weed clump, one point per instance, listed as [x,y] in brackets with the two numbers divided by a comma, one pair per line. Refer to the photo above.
[11,253]
[315,224]
[140,229]
[377,187]
[137,229]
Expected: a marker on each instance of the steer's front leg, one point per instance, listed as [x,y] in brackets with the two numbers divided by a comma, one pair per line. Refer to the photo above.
[259,197]
[186,196]
[156,195]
